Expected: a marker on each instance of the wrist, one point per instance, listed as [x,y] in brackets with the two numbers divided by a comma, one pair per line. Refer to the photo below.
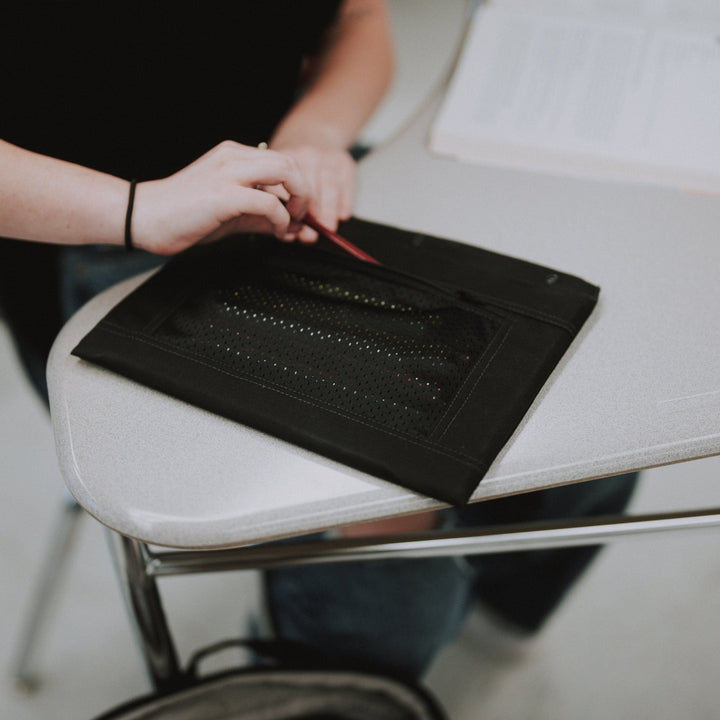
[94,205]
[316,134]
[140,216]
[128,215]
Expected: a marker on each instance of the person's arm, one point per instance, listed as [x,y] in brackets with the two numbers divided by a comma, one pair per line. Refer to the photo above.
[350,75]
[48,200]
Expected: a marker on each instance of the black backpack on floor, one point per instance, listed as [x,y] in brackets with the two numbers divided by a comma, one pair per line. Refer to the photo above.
[291,688]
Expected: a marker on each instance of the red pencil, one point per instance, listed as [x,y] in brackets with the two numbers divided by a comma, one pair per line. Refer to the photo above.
[340,241]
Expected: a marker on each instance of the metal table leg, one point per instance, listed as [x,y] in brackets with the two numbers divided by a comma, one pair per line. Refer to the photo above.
[143,601]
[42,599]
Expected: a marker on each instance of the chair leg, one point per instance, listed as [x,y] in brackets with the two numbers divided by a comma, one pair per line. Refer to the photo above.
[147,616]
[42,599]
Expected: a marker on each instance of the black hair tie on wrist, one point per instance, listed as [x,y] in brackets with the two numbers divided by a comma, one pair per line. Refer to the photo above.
[128,216]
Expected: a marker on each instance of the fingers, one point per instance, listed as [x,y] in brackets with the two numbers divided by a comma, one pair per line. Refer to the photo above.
[277,190]
[252,167]
[347,191]
[331,176]
[296,211]
[272,169]
[249,210]
[242,188]
[328,198]
[325,203]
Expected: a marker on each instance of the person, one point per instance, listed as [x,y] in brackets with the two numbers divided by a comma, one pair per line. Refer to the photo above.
[177,96]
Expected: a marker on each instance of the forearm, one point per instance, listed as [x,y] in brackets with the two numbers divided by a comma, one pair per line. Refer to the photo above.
[352,74]
[217,195]
[49,200]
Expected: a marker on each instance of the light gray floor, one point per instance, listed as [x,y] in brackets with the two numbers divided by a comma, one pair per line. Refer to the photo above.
[638,638]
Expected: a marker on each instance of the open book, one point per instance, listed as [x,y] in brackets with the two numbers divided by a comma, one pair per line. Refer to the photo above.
[612,89]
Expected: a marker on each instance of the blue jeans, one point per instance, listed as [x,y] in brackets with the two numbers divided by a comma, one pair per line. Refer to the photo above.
[395,615]
[86,271]
[42,286]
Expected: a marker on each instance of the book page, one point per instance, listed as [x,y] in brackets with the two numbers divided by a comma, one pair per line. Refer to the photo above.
[697,13]
[605,97]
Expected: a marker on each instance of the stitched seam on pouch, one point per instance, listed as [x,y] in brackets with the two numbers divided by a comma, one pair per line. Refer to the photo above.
[528,312]
[468,379]
[477,380]
[161,317]
[462,458]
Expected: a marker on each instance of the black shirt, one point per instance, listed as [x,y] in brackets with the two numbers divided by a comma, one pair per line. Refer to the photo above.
[140,88]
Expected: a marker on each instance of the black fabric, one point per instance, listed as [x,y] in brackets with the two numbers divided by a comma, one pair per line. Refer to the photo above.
[293,682]
[141,88]
[282,694]
[418,376]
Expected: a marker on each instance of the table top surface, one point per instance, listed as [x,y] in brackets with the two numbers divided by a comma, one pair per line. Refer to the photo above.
[639,387]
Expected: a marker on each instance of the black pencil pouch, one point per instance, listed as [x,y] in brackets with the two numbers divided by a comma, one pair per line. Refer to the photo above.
[417,370]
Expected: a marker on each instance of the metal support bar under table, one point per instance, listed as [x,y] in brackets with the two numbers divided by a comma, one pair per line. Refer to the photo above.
[140,566]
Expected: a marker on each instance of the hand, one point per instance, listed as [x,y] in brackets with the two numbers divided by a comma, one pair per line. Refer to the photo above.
[218,195]
[331,174]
